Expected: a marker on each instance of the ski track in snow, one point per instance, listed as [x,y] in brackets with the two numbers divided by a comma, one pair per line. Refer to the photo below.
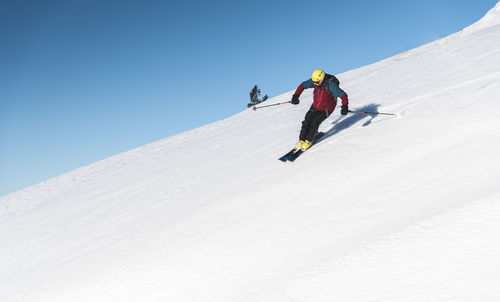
[383,208]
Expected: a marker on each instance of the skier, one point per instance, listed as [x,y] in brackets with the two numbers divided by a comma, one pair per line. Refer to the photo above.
[326,90]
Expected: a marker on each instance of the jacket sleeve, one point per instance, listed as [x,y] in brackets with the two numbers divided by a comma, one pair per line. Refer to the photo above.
[338,92]
[305,85]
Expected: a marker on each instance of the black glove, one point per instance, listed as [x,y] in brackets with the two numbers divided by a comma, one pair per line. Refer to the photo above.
[344,110]
[295,99]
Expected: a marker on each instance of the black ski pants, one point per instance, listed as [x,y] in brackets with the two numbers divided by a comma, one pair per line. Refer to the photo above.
[311,123]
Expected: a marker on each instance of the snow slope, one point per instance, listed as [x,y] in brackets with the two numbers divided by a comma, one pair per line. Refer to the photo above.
[383,209]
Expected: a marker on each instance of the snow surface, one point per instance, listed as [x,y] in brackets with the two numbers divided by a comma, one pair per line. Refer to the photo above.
[383,209]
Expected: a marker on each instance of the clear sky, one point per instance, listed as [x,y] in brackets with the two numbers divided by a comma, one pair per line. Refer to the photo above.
[81,80]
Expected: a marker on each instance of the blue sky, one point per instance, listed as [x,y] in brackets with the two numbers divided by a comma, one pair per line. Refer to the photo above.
[81,80]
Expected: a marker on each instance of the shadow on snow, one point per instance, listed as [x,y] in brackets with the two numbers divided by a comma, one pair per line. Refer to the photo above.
[343,123]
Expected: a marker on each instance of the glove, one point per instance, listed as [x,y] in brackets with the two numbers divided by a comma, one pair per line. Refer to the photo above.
[295,99]
[344,110]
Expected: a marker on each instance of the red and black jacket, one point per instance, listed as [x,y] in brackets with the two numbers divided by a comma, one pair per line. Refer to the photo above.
[325,95]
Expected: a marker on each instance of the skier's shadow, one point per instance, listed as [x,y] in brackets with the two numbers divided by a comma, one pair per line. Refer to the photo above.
[344,123]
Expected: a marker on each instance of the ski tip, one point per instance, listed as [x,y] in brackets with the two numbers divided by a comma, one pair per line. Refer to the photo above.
[294,156]
[283,159]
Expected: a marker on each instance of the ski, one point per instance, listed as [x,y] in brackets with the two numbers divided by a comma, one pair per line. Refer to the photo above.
[294,153]
[294,156]
[284,158]
[318,137]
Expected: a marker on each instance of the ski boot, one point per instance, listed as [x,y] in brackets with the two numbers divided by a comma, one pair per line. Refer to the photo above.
[299,145]
[305,145]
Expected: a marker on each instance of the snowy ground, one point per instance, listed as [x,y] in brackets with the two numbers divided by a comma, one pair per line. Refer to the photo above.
[383,209]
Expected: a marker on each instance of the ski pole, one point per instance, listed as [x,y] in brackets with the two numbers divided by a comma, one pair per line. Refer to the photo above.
[255,108]
[367,112]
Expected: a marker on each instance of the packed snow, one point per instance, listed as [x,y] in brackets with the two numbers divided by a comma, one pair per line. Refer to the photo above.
[384,208]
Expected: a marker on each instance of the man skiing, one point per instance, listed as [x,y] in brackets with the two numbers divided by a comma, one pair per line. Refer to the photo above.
[326,91]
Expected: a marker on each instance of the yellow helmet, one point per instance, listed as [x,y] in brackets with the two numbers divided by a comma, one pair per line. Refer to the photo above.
[318,76]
